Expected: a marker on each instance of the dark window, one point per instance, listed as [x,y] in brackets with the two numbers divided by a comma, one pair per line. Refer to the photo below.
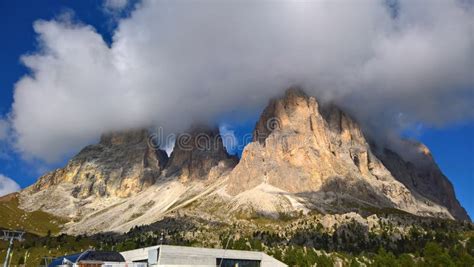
[237,263]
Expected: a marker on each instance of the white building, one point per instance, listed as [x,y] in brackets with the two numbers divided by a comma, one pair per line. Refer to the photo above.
[174,256]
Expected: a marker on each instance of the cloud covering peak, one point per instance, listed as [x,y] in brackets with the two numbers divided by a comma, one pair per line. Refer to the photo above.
[172,63]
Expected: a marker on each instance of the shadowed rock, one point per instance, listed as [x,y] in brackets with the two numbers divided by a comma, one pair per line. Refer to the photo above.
[197,152]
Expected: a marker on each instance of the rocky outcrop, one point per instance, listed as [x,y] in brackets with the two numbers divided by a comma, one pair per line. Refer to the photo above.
[121,164]
[125,163]
[422,175]
[297,149]
[309,150]
[199,154]
[125,180]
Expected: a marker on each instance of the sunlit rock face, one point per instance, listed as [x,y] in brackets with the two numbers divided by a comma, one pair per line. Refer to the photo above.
[297,149]
[125,180]
[121,164]
[308,149]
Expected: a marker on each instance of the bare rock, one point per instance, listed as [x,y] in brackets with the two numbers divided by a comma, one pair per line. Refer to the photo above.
[197,153]
[121,164]
[421,174]
[311,150]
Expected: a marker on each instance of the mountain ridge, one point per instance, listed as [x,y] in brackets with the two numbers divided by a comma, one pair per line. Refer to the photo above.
[304,157]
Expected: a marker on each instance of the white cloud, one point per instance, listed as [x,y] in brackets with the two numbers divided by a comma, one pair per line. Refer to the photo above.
[3,129]
[115,5]
[172,63]
[4,138]
[7,185]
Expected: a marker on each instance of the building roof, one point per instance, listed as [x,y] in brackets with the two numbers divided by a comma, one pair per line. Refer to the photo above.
[88,255]
[181,255]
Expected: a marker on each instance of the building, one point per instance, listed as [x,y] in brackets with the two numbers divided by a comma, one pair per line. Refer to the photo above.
[90,258]
[173,256]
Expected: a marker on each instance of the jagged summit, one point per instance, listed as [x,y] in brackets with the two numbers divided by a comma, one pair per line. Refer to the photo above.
[121,164]
[295,146]
[425,177]
[197,152]
[127,167]
[124,137]
[125,163]
[275,115]
[320,151]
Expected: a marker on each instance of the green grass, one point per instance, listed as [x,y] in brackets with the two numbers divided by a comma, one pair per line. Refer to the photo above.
[469,234]
[36,222]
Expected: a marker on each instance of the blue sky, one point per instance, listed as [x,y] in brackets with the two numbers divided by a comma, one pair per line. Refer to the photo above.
[16,22]
[451,144]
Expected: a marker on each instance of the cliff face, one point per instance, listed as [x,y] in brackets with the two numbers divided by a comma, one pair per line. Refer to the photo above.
[125,176]
[425,177]
[121,164]
[196,154]
[298,149]
[125,163]
[305,149]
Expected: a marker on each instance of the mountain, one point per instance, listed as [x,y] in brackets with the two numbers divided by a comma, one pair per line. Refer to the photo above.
[122,164]
[304,157]
[425,177]
[321,155]
[124,180]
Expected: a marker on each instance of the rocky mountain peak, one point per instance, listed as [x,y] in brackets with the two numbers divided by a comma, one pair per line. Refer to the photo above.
[121,164]
[294,148]
[421,174]
[296,112]
[316,150]
[124,137]
[197,153]
[280,113]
